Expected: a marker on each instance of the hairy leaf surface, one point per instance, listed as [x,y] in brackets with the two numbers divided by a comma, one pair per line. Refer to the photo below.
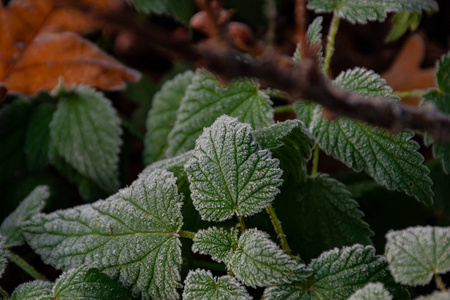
[131,236]
[34,290]
[417,253]
[206,99]
[161,117]
[28,208]
[313,39]
[229,172]
[85,131]
[372,291]
[216,242]
[181,10]
[435,296]
[201,285]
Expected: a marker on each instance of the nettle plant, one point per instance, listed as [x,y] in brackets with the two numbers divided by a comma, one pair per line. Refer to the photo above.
[200,221]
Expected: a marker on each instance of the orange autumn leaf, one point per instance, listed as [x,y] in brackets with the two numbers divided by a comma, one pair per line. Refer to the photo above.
[39,46]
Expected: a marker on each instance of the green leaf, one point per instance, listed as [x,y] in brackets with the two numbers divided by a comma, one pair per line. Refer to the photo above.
[329,216]
[305,111]
[201,285]
[181,10]
[401,22]
[85,132]
[132,236]
[229,172]
[443,74]
[173,164]
[363,11]
[290,142]
[35,290]
[392,160]
[3,260]
[417,253]
[258,261]
[206,99]
[337,274]
[38,137]
[372,291]
[313,38]
[438,295]
[29,207]
[161,118]
[216,242]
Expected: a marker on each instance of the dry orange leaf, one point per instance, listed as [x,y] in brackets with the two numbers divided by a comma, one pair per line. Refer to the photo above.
[405,73]
[39,46]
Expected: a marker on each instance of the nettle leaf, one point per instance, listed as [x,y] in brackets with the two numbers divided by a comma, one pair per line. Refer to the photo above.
[329,216]
[401,22]
[28,208]
[229,172]
[161,117]
[290,142]
[201,285]
[258,261]
[181,10]
[337,274]
[313,38]
[132,236]
[85,132]
[216,242]
[372,291]
[392,160]
[363,11]
[305,111]
[438,295]
[173,164]
[3,260]
[38,137]
[34,290]
[417,253]
[206,99]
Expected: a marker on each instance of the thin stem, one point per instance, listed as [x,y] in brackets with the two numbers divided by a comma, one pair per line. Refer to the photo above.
[283,109]
[24,265]
[330,43]
[242,223]
[186,234]
[278,229]
[315,166]
[271,14]
[3,293]
[439,283]
[412,93]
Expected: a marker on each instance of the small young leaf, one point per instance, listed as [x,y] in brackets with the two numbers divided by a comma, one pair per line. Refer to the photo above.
[181,10]
[436,296]
[290,142]
[206,99]
[372,291]
[34,290]
[201,285]
[417,253]
[329,217]
[216,242]
[131,236]
[38,137]
[85,131]
[363,11]
[337,274]
[229,172]
[28,208]
[257,261]
[401,22]
[313,38]
[3,260]
[161,118]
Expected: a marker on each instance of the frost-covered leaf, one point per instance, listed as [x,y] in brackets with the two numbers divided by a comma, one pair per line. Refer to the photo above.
[229,172]
[201,285]
[216,242]
[2,255]
[28,208]
[401,22]
[181,10]
[329,216]
[258,261]
[313,38]
[417,253]
[362,11]
[131,236]
[438,295]
[339,273]
[305,111]
[173,164]
[38,137]
[88,283]
[290,142]
[161,118]
[34,290]
[372,291]
[85,132]
[207,99]
[392,160]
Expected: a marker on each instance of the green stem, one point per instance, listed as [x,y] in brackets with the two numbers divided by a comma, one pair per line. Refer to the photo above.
[3,293]
[439,283]
[278,229]
[330,43]
[186,234]
[242,223]
[412,93]
[283,109]
[315,166]
[24,265]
